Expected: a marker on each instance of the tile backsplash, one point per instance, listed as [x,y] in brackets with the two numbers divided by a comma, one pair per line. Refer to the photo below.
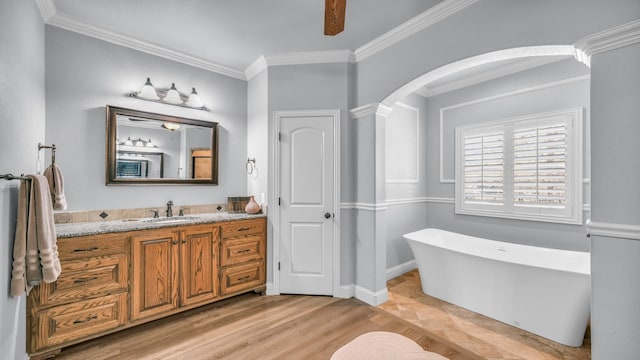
[65,217]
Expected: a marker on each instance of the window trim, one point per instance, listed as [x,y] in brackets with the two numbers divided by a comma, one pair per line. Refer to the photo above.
[574,160]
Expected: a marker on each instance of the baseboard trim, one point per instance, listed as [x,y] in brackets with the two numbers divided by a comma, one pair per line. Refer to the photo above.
[346,291]
[270,290]
[398,270]
[370,297]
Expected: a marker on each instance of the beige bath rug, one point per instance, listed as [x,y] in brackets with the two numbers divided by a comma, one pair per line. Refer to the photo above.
[382,345]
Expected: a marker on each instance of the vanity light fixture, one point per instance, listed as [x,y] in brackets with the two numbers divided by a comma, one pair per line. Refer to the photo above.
[140,143]
[150,144]
[128,142]
[169,96]
[170,126]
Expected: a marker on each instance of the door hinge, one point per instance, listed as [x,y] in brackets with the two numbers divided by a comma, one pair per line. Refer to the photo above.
[278,201]
[279,136]
[278,266]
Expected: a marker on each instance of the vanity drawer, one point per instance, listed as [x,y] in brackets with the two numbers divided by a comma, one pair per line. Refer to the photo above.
[240,250]
[92,246]
[242,277]
[86,278]
[242,228]
[62,324]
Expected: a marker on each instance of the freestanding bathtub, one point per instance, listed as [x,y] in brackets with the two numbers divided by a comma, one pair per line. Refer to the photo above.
[544,291]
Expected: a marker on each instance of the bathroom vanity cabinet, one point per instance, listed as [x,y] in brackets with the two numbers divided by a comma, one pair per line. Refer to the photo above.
[117,280]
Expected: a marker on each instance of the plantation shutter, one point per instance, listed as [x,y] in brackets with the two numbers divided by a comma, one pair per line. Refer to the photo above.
[484,168]
[539,166]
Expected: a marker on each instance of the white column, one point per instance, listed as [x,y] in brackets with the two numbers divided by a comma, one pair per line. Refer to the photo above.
[371,217]
[615,190]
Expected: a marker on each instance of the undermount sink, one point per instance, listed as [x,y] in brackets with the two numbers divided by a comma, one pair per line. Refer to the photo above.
[170,220]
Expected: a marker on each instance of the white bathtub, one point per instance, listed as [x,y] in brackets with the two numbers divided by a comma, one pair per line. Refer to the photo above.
[544,291]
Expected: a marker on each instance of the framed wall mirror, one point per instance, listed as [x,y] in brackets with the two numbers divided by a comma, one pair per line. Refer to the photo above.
[149,148]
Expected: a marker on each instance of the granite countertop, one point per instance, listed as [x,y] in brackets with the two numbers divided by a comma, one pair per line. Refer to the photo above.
[115,226]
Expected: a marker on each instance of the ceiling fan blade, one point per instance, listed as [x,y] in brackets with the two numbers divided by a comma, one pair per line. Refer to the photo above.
[334,11]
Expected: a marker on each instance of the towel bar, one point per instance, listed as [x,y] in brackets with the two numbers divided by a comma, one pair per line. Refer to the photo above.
[13,177]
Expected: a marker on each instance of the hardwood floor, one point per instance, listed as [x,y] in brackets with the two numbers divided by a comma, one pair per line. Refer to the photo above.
[485,337]
[256,327]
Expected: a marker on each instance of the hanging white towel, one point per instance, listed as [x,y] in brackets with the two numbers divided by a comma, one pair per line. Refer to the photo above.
[56,186]
[35,251]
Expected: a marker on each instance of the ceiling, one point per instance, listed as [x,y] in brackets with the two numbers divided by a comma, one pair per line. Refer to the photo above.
[234,33]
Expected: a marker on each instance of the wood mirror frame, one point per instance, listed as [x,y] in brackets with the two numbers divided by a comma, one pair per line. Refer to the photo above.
[114,147]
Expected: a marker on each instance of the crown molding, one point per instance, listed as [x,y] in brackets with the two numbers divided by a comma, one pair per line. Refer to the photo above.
[311,57]
[47,9]
[71,24]
[370,110]
[418,23]
[298,58]
[522,65]
[607,40]
[256,67]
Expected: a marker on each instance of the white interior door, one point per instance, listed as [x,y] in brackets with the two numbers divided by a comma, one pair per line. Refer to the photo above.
[306,211]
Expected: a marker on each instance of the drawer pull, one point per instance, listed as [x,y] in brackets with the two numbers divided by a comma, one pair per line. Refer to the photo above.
[245,251]
[244,278]
[84,280]
[94,317]
[244,229]
[86,250]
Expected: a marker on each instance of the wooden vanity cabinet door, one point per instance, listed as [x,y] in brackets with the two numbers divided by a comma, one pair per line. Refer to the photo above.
[155,273]
[199,264]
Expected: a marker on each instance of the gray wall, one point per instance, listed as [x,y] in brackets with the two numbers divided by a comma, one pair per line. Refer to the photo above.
[429,203]
[313,87]
[257,130]
[22,109]
[485,102]
[84,74]
[483,27]
[406,173]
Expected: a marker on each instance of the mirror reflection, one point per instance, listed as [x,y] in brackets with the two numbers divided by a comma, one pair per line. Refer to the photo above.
[154,148]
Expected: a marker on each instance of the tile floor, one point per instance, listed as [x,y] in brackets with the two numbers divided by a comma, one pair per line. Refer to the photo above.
[469,332]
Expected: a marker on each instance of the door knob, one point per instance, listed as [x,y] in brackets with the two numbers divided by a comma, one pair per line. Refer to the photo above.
[327,215]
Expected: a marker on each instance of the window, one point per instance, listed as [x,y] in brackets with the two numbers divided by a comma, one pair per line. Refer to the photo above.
[526,168]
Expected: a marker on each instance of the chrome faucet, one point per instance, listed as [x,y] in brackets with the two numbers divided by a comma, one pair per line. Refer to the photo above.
[169,209]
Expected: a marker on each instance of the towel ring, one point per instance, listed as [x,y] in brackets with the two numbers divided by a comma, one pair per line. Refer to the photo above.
[251,165]
[53,151]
